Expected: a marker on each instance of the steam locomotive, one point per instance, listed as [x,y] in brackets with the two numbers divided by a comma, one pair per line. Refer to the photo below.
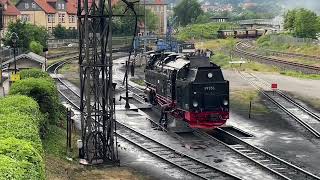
[192,89]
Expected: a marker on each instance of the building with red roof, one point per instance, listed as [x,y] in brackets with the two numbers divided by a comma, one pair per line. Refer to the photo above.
[49,13]
[10,14]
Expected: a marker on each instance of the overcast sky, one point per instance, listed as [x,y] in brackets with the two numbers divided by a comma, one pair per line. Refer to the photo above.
[309,4]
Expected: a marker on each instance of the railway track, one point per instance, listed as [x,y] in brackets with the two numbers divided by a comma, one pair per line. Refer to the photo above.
[200,169]
[264,159]
[308,69]
[280,53]
[304,116]
[182,161]
[280,167]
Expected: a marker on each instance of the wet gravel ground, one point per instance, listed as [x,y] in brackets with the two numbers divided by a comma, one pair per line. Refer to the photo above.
[279,133]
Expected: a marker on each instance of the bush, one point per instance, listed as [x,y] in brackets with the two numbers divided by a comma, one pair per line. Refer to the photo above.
[20,144]
[36,47]
[23,151]
[21,104]
[33,73]
[20,126]
[202,31]
[43,91]
[12,169]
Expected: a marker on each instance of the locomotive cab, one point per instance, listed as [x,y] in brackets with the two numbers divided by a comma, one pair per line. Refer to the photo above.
[203,94]
[193,87]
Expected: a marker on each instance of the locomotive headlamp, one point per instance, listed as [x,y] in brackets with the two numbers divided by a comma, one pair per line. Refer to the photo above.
[210,75]
[195,104]
[225,102]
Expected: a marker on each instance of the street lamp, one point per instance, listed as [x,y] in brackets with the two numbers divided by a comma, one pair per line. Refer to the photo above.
[14,39]
[45,50]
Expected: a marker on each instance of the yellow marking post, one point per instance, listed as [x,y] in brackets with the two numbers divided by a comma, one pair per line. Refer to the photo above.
[15,77]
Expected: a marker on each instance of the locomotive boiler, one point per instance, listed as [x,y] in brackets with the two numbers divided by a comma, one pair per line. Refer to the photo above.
[191,89]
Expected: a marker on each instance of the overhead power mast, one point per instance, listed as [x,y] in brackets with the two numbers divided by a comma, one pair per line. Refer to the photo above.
[97,91]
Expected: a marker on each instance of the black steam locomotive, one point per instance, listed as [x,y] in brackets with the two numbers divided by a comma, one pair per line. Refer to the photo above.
[192,89]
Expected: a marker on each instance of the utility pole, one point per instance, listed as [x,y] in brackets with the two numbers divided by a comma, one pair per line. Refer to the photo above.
[97,144]
[145,30]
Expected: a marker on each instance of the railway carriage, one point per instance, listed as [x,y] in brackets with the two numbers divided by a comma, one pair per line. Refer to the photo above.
[189,88]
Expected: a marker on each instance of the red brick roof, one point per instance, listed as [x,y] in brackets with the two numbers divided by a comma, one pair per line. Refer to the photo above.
[10,9]
[72,7]
[45,6]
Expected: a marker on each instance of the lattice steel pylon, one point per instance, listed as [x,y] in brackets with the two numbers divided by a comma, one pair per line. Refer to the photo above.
[97,93]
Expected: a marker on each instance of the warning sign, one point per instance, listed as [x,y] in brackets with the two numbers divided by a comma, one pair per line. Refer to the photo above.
[15,77]
[274,86]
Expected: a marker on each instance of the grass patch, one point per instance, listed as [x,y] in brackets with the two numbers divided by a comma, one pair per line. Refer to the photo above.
[57,167]
[68,68]
[300,75]
[308,49]
[240,100]
[55,60]
[202,31]
[138,81]
[216,44]
[222,47]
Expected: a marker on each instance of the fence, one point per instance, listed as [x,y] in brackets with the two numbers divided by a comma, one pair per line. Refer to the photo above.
[282,39]
[6,53]
[57,43]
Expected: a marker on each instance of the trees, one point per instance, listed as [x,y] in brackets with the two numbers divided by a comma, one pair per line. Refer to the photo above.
[302,23]
[125,25]
[61,32]
[26,33]
[187,11]
[289,18]
[36,47]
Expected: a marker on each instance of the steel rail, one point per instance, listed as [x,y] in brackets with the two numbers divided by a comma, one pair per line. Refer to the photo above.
[254,55]
[168,154]
[267,160]
[303,123]
[282,94]
[283,53]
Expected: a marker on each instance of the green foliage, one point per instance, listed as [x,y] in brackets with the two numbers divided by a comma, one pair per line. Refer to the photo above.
[44,91]
[202,31]
[302,23]
[264,41]
[125,25]
[33,73]
[187,11]
[23,151]
[61,32]
[26,33]
[289,19]
[203,18]
[12,169]
[20,126]
[21,104]
[36,47]
[55,142]
[20,144]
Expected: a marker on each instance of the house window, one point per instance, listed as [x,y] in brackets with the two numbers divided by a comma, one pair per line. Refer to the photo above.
[25,17]
[26,5]
[62,6]
[59,6]
[72,18]
[33,5]
[51,18]
[61,18]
